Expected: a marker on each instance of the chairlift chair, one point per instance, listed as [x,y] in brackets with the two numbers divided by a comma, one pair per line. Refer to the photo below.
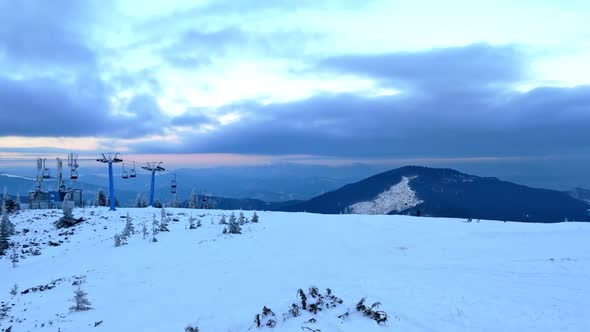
[132,172]
[125,174]
[73,174]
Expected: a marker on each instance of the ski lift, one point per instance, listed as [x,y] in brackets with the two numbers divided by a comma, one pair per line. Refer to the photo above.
[132,173]
[173,185]
[46,172]
[125,174]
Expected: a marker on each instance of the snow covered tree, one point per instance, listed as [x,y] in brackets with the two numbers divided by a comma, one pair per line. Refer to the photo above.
[175,201]
[14,257]
[68,219]
[129,229]
[234,226]
[241,219]
[254,218]
[4,237]
[6,221]
[144,230]
[101,198]
[140,201]
[191,222]
[222,221]
[81,302]
[155,229]
[157,204]
[118,241]
[18,203]
[117,204]
[163,221]
[193,201]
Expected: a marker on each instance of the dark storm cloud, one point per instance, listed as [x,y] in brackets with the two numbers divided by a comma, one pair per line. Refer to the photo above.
[475,66]
[459,106]
[193,118]
[45,33]
[45,107]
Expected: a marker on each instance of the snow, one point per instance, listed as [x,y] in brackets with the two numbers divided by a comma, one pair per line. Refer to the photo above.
[16,176]
[397,198]
[429,274]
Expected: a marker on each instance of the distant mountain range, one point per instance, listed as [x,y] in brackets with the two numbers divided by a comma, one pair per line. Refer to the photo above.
[437,192]
[447,193]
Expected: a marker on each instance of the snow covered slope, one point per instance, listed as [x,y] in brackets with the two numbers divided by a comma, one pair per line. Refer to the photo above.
[397,198]
[443,275]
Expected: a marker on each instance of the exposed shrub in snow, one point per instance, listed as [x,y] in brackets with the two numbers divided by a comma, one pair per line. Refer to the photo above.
[254,218]
[192,224]
[14,290]
[81,302]
[378,316]
[266,318]
[190,328]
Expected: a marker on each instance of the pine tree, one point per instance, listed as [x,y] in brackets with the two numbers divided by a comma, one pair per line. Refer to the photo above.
[18,203]
[81,302]
[254,218]
[155,229]
[138,201]
[4,236]
[164,221]
[144,230]
[14,257]
[222,221]
[192,202]
[10,228]
[129,228]
[175,201]
[241,219]
[68,219]
[100,199]
[234,226]
[157,204]
[118,241]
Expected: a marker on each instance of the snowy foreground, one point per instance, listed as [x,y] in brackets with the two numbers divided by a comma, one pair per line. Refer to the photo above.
[429,274]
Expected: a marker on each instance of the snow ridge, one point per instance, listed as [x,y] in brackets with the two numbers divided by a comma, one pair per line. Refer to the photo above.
[397,198]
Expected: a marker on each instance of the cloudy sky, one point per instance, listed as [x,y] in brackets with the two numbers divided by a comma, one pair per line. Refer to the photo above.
[328,82]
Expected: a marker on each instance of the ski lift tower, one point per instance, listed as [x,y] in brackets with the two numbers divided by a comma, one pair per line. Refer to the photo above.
[154,166]
[110,158]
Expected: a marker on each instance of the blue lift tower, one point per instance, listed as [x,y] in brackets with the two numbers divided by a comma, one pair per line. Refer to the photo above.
[110,158]
[154,166]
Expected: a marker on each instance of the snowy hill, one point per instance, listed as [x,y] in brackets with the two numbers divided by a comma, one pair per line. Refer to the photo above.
[441,192]
[446,275]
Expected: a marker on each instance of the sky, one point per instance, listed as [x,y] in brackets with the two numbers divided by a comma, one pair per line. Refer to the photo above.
[250,82]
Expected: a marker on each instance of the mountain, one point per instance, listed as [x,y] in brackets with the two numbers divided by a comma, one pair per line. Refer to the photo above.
[581,194]
[441,192]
